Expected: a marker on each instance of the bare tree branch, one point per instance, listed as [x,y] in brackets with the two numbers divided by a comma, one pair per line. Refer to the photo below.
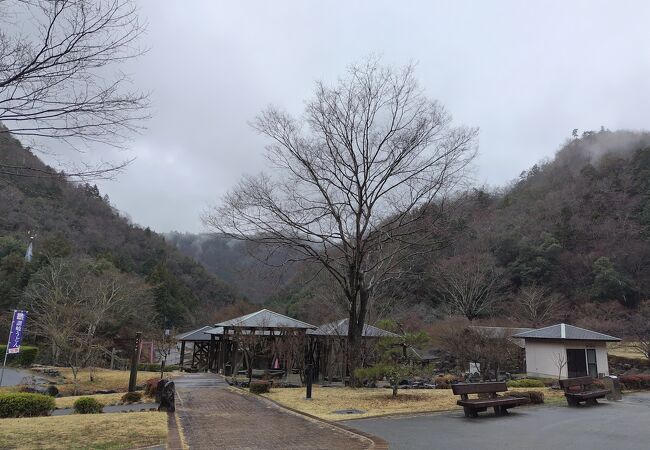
[58,80]
[354,183]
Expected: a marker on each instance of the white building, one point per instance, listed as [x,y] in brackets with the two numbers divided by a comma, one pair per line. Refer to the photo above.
[565,350]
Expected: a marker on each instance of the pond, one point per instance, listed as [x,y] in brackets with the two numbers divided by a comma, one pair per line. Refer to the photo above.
[13,377]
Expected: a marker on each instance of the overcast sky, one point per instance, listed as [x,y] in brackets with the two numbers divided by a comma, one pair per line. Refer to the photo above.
[525,73]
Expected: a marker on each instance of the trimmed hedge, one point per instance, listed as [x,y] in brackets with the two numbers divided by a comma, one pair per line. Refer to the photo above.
[445,381]
[146,367]
[26,357]
[23,404]
[151,387]
[87,405]
[260,387]
[639,381]
[132,397]
[535,397]
[525,383]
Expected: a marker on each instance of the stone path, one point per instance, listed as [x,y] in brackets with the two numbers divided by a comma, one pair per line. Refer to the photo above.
[214,416]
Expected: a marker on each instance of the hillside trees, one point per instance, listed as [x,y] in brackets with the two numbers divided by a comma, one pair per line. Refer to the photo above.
[357,185]
[536,305]
[73,220]
[470,285]
[58,76]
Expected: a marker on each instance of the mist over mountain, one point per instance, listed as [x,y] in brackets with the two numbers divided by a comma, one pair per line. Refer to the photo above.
[256,273]
[576,226]
[74,220]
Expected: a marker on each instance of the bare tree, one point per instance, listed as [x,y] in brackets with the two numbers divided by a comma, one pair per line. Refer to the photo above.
[470,285]
[639,325]
[76,304]
[357,183]
[164,344]
[56,80]
[536,305]
[560,361]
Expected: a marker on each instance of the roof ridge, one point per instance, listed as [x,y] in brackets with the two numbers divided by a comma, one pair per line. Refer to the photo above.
[585,329]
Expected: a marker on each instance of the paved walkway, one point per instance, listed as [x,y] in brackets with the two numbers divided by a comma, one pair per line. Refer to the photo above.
[214,416]
[610,425]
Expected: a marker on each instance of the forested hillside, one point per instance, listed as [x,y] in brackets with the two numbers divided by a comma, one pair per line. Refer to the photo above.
[568,240]
[73,220]
[243,264]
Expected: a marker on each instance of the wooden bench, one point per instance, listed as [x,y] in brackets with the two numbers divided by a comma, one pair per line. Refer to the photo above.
[473,406]
[581,389]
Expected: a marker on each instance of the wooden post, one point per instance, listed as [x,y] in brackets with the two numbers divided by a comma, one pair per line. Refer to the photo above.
[135,353]
[210,353]
[182,361]
[308,376]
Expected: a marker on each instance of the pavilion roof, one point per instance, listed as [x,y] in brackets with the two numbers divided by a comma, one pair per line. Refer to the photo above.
[195,335]
[340,328]
[263,318]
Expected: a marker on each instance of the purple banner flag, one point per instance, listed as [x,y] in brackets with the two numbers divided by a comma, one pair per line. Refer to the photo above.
[16,333]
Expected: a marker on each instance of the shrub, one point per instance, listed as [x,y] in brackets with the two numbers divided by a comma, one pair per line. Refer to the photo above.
[87,405]
[155,367]
[525,383]
[445,381]
[26,357]
[260,387]
[132,397]
[639,381]
[23,404]
[151,386]
[535,397]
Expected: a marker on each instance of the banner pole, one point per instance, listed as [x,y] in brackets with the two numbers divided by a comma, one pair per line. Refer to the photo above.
[2,374]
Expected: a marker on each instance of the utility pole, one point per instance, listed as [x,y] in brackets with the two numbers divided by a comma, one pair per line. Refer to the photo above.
[135,352]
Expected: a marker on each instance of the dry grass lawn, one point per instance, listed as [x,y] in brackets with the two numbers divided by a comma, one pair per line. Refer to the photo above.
[117,380]
[624,350]
[90,431]
[105,399]
[376,402]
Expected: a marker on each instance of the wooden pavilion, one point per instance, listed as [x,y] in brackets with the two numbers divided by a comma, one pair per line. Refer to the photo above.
[329,345]
[198,341]
[263,341]
[266,343]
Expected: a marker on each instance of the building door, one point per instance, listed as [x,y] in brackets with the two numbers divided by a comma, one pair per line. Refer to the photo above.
[576,362]
[592,368]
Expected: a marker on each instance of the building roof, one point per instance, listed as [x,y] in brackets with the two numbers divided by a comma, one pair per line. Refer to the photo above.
[264,318]
[567,332]
[195,335]
[340,328]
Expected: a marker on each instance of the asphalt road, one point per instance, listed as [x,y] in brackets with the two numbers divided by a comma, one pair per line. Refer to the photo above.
[623,425]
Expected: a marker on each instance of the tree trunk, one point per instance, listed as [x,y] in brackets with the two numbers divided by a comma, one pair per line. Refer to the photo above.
[357,318]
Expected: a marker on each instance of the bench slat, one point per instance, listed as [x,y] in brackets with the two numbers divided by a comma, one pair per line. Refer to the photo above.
[587,394]
[578,381]
[486,403]
[478,388]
